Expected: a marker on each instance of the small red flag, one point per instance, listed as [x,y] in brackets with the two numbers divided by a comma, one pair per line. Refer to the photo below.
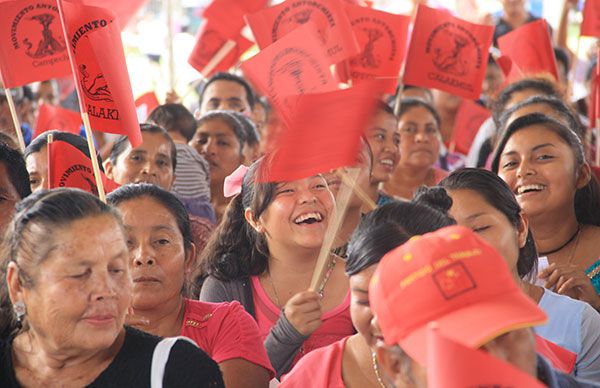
[98,61]
[383,39]
[32,45]
[54,117]
[124,9]
[453,365]
[469,117]
[530,47]
[294,65]
[561,359]
[229,14]
[145,104]
[510,70]
[69,167]
[590,25]
[329,16]
[210,40]
[323,133]
[447,53]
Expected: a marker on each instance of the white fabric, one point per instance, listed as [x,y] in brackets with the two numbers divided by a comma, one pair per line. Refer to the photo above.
[160,358]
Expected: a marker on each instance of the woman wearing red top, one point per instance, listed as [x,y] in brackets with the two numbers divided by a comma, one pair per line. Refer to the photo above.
[162,252]
[263,254]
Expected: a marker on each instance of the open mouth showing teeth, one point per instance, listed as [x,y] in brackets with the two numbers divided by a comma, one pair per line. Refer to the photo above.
[530,188]
[387,162]
[308,218]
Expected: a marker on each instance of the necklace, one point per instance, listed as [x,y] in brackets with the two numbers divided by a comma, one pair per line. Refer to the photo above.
[321,288]
[376,369]
[570,240]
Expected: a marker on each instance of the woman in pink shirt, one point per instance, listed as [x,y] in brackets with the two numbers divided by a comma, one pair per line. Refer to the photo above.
[161,258]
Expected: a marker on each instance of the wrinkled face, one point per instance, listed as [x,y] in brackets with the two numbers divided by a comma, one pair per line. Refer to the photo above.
[384,139]
[298,215]
[470,209]
[37,167]
[541,170]
[516,347]
[157,255]
[82,291]
[150,162]
[360,309]
[419,138]
[225,95]
[216,141]
[8,198]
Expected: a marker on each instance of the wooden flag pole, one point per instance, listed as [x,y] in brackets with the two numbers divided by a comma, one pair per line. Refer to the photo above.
[15,118]
[49,140]
[400,91]
[90,140]
[218,57]
[169,5]
[360,193]
[341,204]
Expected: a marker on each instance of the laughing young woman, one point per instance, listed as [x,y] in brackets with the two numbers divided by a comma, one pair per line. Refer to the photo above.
[263,255]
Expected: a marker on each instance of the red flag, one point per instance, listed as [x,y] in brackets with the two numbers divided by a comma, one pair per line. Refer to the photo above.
[530,47]
[32,45]
[453,365]
[561,359]
[323,133]
[594,101]
[469,117]
[296,64]
[69,167]
[100,72]
[145,104]
[510,70]
[590,25]
[229,14]
[447,53]
[210,40]
[54,117]
[382,38]
[329,16]
[124,9]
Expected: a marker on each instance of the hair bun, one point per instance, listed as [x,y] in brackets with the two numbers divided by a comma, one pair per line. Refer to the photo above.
[434,197]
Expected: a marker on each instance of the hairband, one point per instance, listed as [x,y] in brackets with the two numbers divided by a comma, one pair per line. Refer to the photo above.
[233,183]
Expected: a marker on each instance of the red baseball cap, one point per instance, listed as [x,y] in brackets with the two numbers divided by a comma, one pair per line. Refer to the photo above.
[453,277]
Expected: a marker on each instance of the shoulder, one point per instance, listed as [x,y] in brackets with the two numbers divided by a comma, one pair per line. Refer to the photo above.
[188,365]
[215,290]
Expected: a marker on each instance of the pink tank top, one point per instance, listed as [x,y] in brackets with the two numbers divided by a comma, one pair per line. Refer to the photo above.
[336,325]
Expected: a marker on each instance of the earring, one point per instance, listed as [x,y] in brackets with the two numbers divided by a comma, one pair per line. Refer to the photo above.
[20,310]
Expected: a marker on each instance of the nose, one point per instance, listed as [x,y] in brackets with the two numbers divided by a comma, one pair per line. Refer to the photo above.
[305,195]
[103,286]
[525,169]
[421,137]
[143,256]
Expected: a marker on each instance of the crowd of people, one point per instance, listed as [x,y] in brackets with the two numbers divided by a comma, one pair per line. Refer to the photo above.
[197,271]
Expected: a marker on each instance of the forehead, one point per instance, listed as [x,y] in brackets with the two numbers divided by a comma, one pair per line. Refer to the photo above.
[36,161]
[6,186]
[529,137]
[145,212]
[154,142]
[466,202]
[224,89]
[215,127]
[416,113]
[384,120]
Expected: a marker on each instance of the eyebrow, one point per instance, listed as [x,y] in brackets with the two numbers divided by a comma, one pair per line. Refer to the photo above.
[160,227]
[356,289]
[473,216]
[234,99]
[537,147]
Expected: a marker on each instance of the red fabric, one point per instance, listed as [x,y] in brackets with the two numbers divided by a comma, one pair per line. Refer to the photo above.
[320,368]
[447,53]
[210,39]
[561,359]
[329,16]
[530,47]
[125,9]
[225,331]
[590,25]
[323,134]
[97,57]
[594,103]
[229,14]
[28,53]
[510,70]
[145,104]
[54,117]
[453,365]
[469,117]
[383,40]
[69,167]
[294,65]
[336,324]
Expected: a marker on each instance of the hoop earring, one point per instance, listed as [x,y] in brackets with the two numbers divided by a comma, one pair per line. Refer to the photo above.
[20,310]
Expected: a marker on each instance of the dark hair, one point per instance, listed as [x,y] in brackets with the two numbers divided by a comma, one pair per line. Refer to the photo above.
[383,107]
[75,140]
[407,104]
[16,169]
[543,86]
[587,199]
[222,76]
[568,116]
[404,218]
[235,250]
[167,200]
[426,90]
[174,117]
[252,135]
[230,120]
[498,195]
[123,142]
[38,218]
[561,56]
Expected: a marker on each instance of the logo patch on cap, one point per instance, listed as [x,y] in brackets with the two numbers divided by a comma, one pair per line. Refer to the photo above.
[454,280]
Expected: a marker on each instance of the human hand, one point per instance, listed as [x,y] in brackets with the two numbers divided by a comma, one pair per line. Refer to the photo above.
[303,311]
[570,280]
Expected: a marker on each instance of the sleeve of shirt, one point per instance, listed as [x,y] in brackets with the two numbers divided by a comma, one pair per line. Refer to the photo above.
[214,291]
[283,343]
[237,336]
[189,366]
[588,361]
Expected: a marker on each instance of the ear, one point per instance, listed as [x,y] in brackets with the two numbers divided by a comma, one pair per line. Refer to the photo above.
[15,288]
[584,176]
[523,229]
[190,260]
[249,216]
[389,362]
[108,169]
